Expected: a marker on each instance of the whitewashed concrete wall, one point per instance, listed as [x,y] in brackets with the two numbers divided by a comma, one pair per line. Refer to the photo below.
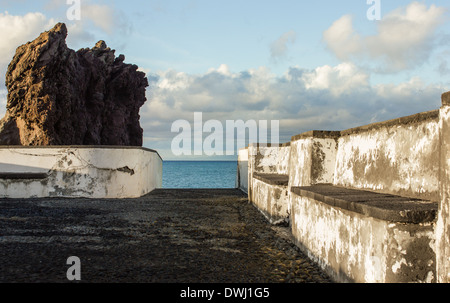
[312,158]
[270,159]
[266,159]
[242,170]
[284,152]
[408,156]
[356,248]
[272,200]
[91,172]
[443,221]
[399,156]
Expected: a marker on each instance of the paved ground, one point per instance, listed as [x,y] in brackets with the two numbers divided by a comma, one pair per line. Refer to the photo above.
[167,236]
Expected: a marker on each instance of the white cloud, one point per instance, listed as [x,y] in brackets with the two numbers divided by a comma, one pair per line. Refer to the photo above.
[342,39]
[278,48]
[326,98]
[343,78]
[103,16]
[404,37]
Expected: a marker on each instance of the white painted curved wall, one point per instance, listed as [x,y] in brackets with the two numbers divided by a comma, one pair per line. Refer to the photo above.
[89,172]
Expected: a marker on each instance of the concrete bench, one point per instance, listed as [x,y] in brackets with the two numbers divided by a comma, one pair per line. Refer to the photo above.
[363,236]
[377,205]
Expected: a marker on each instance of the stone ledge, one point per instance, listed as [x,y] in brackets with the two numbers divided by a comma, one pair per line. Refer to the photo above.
[381,206]
[321,134]
[269,144]
[273,179]
[23,176]
[412,119]
[446,99]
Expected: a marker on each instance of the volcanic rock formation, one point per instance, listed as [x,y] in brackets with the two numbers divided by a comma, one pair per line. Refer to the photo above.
[57,96]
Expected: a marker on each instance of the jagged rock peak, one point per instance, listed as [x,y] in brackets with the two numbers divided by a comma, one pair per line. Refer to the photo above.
[101,45]
[60,28]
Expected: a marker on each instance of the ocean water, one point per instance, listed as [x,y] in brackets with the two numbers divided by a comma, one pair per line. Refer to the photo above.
[199,174]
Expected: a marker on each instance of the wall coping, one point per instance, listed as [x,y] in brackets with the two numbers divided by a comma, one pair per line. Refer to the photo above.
[80,147]
[446,99]
[412,119]
[286,144]
[322,134]
[273,179]
[416,118]
[377,205]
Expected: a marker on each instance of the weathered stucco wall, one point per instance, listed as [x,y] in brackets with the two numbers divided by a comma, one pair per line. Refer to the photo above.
[400,156]
[443,222]
[282,161]
[405,160]
[312,158]
[272,200]
[270,159]
[91,172]
[355,248]
[242,170]
[266,159]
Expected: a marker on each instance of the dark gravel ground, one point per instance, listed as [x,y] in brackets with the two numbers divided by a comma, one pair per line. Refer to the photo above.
[170,235]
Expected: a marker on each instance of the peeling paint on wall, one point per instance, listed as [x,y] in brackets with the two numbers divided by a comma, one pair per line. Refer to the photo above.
[312,161]
[443,222]
[398,159]
[272,201]
[357,248]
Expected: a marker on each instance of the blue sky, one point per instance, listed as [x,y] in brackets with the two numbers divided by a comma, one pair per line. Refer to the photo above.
[309,64]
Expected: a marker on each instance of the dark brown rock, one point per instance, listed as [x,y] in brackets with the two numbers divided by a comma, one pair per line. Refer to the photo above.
[57,96]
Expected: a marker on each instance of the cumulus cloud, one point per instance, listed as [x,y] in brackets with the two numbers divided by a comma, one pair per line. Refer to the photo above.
[326,98]
[404,37]
[278,48]
[342,39]
[103,16]
[338,80]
